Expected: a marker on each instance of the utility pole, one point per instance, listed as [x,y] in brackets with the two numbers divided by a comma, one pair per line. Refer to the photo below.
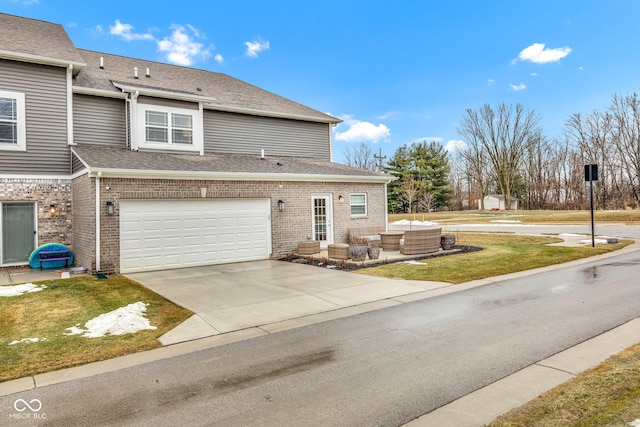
[379,158]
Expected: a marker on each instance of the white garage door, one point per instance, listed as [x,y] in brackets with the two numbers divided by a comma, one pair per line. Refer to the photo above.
[163,234]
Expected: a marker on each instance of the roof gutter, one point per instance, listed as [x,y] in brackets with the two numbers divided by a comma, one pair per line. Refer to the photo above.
[145,91]
[265,113]
[233,176]
[37,59]
[99,92]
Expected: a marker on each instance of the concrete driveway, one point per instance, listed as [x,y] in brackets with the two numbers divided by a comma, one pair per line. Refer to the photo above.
[230,297]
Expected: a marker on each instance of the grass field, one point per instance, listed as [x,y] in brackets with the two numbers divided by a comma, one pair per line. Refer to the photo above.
[501,254]
[46,314]
[529,217]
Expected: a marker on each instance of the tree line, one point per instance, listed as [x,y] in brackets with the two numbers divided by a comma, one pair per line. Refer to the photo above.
[507,153]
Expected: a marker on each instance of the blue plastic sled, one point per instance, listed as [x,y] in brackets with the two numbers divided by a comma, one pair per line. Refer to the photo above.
[55,262]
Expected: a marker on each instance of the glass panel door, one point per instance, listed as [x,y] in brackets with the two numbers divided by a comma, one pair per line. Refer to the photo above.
[322,219]
[18,232]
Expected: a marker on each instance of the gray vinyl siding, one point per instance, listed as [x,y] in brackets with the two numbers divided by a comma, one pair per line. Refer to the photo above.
[76,164]
[246,134]
[98,120]
[46,114]
[167,102]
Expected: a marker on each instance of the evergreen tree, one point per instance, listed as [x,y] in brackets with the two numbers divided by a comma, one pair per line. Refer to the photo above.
[423,166]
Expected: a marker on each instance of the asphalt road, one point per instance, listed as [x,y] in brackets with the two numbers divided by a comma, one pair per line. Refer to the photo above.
[382,368]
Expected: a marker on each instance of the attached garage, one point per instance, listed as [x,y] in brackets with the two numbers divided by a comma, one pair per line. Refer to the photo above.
[165,234]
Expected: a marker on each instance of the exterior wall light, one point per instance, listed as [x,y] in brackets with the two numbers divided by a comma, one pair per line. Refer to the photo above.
[280,205]
[340,199]
[110,208]
[53,210]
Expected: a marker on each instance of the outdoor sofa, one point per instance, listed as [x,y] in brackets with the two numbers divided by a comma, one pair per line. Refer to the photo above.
[420,241]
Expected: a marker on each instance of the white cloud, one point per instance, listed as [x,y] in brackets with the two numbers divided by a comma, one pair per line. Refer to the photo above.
[359,131]
[219,59]
[255,47]
[455,145]
[388,115]
[517,88]
[534,74]
[490,81]
[180,47]
[537,53]
[126,32]
[580,68]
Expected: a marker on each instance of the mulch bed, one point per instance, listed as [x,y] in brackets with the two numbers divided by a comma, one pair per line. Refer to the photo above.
[351,266]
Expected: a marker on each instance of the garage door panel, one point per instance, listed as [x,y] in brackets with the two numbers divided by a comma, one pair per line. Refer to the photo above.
[178,233]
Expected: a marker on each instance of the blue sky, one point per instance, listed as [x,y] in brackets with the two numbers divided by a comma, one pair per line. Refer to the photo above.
[396,72]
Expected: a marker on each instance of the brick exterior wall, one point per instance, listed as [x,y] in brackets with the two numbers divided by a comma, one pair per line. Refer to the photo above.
[288,227]
[51,227]
[84,226]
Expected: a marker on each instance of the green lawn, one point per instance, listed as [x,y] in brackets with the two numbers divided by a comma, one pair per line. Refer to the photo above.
[501,254]
[46,314]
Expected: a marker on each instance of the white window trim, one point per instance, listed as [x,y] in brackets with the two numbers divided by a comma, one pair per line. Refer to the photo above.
[351,204]
[21,144]
[196,146]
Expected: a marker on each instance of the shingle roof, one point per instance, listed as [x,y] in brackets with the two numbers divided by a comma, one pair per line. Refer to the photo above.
[229,93]
[129,163]
[38,38]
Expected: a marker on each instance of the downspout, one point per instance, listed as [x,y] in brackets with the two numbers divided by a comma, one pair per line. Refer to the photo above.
[133,102]
[70,105]
[98,221]
[386,207]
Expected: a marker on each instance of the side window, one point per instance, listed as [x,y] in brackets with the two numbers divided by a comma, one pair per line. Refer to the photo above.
[12,121]
[358,203]
[169,128]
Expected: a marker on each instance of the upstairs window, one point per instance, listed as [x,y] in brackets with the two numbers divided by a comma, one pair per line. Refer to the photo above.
[169,128]
[12,121]
[358,204]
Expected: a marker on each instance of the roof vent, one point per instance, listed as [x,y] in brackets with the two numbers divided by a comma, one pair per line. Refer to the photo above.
[135,72]
[147,74]
[102,63]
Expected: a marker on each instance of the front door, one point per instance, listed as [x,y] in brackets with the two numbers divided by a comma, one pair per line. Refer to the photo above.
[18,232]
[322,219]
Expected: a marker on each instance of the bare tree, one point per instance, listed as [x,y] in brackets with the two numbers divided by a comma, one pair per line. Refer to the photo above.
[476,162]
[592,135]
[361,156]
[500,135]
[626,136]
[427,201]
[409,193]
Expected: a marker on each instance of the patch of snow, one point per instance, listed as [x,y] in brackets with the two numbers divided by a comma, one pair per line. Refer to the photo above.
[124,320]
[14,342]
[405,224]
[412,262]
[17,290]
[596,240]
[414,222]
[571,235]
[510,221]
[635,423]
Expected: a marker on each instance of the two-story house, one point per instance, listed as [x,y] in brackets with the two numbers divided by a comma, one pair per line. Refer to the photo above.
[139,165]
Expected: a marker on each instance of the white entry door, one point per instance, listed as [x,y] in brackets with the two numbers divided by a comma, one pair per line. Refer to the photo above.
[162,234]
[322,219]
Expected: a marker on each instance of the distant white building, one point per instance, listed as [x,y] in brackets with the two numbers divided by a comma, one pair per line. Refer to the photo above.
[495,202]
